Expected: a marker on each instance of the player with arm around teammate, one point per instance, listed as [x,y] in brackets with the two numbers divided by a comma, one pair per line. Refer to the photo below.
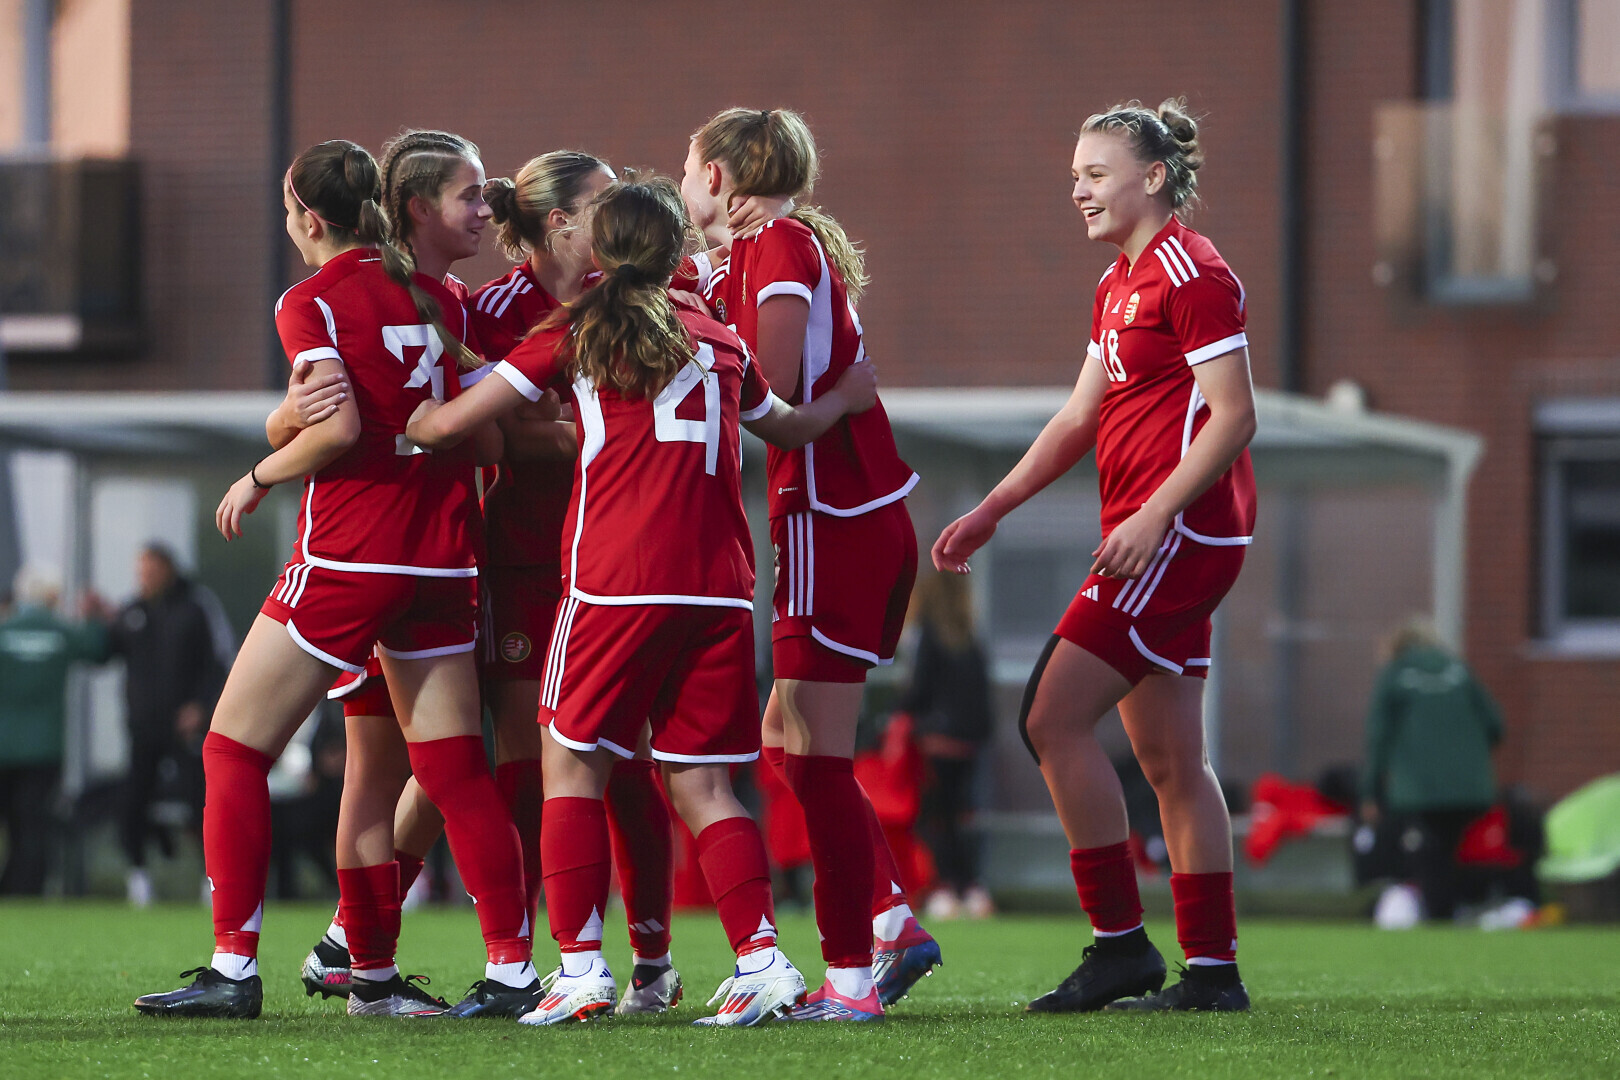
[845,550]
[656,623]
[1164,396]
[352,584]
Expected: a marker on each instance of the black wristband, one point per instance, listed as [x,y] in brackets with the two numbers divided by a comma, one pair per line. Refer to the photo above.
[253,474]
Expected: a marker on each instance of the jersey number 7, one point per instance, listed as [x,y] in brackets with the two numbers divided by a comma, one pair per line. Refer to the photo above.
[670,428]
[427,372]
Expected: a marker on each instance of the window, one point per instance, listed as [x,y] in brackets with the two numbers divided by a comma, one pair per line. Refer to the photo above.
[1580,524]
[1584,55]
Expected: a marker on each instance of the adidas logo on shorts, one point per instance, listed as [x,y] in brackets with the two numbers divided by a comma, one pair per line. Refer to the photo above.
[1091,593]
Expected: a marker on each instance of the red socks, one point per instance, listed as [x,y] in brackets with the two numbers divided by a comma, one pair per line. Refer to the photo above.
[369,912]
[574,851]
[644,852]
[835,813]
[236,840]
[455,775]
[1206,917]
[410,868]
[732,855]
[1105,878]
[520,786]
[887,892]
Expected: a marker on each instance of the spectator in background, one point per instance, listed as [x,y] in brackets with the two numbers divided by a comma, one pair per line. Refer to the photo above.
[1430,731]
[37,647]
[949,701]
[174,672]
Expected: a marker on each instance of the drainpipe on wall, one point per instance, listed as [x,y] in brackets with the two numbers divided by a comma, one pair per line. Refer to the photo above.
[279,153]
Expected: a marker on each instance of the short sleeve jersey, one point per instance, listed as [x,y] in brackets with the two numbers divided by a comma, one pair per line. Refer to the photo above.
[1151,324]
[385,505]
[525,505]
[657,515]
[854,467]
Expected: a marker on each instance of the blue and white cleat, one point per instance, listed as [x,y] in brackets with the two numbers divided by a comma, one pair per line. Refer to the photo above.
[753,998]
[898,965]
[575,997]
[829,1004]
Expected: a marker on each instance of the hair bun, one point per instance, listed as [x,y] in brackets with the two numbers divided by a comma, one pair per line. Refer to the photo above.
[1182,127]
[500,193]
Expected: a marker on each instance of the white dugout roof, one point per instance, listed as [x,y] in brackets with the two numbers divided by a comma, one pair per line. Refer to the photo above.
[1300,441]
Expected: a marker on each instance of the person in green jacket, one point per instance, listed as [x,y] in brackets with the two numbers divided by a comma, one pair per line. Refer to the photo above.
[37,647]
[1431,728]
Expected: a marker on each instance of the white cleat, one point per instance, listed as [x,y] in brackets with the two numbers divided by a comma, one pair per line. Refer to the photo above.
[576,997]
[746,1000]
[656,996]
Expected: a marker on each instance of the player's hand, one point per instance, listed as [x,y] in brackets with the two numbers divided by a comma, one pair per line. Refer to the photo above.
[314,399]
[1131,546]
[242,499]
[858,387]
[755,212]
[423,411]
[962,538]
[691,300]
[547,409]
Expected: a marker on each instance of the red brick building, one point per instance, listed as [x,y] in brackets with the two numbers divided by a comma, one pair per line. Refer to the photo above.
[946,132]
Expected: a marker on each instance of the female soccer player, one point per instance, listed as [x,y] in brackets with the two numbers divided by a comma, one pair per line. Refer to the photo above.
[1165,397]
[660,578]
[845,551]
[385,556]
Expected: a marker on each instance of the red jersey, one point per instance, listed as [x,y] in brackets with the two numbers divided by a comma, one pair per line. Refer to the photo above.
[386,505]
[656,515]
[854,466]
[1151,324]
[524,507]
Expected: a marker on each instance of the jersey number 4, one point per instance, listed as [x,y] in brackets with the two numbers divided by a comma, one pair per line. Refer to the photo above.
[1111,364]
[427,372]
[706,432]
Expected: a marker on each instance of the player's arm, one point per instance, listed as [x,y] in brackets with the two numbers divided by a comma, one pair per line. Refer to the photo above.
[791,427]
[1229,390]
[436,425]
[309,400]
[780,339]
[541,431]
[309,451]
[1067,438]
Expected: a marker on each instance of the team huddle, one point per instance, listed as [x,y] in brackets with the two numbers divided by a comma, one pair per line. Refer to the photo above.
[528,498]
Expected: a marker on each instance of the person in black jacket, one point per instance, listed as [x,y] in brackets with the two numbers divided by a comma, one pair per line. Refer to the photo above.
[949,702]
[172,676]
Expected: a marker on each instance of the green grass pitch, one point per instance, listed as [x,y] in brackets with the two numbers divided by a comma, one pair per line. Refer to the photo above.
[1331,1000]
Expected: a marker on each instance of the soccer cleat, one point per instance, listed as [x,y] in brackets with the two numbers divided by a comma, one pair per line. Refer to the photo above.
[746,1000]
[1201,989]
[898,965]
[326,970]
[575,997]
[829,1004]
[395,997]
[653,989]
[210,994]
[1103,976]
[489,998]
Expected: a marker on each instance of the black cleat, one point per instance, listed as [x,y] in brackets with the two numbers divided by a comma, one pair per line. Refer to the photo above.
[210,994]
[1201,989]
[396,996]
[487,998]
[1104,975]
[326,970]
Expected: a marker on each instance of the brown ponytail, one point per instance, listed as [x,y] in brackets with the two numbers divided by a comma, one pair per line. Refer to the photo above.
[1168,134]
[772,152]
[338,180]
[420,163]
[623,333]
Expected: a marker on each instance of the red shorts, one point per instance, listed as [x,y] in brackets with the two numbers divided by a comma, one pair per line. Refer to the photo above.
[365,694]
[688,670]
[338,616]
[1159,621]
[519,608]
[842,588]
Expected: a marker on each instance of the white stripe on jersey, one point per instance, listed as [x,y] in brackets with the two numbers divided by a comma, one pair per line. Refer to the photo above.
[486,299]
[331,323]
[1186,260]
[1169,264]
[523,287]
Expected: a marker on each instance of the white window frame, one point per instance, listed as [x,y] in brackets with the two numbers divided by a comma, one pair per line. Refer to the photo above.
[1570,430]
[1564,94]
